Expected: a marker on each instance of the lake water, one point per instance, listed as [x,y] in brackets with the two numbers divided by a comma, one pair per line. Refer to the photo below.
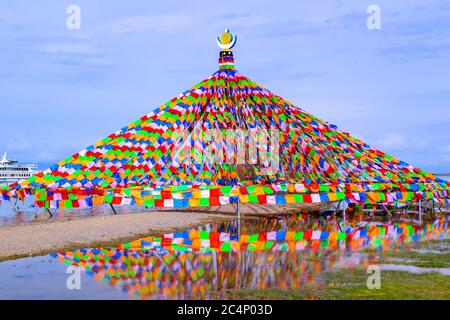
[28,213]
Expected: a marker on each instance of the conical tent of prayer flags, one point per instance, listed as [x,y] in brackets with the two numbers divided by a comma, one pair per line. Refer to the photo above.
[224,139]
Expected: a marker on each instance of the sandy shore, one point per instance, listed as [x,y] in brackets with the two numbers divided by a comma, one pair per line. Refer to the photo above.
[52,236]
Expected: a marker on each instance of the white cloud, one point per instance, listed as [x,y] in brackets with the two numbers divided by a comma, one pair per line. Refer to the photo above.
[156,22]
[446,153]
[16,144]
[184,20]
[421,143]
[395,141]
[49,156]
[70,48]
[81,52]
[358,135]
[392,141]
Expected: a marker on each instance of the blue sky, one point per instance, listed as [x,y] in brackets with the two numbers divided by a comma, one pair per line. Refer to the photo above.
[61,89]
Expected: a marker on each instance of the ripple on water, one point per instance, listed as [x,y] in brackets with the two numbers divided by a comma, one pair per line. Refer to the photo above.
[413,269]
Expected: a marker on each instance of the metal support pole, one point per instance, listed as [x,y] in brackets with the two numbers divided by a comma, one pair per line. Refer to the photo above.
[14,205]
[335,210]
[386,209]
[337,207]
[164,263]
[238,208]
[407,212]
[407,207]
[112,207]
[49,212]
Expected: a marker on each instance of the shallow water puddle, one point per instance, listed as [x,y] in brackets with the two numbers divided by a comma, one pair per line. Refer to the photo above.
[29,213]
[413,269]
[213,261]
[433,248]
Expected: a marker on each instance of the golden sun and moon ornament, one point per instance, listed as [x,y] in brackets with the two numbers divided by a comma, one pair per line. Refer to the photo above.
[226,41]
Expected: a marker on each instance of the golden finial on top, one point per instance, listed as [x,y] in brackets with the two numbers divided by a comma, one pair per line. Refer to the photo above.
[227,40]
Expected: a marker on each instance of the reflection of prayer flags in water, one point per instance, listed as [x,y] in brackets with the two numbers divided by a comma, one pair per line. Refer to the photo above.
[299,236]
[271,235]
[226,247]
[224,237]
[324,235]
[290,236]
[192,261]
[280,235]
[341,236]
[315,235]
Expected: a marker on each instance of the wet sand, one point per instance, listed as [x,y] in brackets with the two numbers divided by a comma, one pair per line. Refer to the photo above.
[51,236]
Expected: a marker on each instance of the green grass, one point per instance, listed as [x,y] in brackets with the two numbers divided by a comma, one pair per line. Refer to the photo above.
[351,284]
[420,259]
[424,260]
[274,294]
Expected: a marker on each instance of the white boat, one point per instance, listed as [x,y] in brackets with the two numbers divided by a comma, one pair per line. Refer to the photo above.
[12,171]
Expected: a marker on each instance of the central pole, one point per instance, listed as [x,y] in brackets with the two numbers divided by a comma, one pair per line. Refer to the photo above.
[238,213]
[238,209]
[343,213]
[420,212]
